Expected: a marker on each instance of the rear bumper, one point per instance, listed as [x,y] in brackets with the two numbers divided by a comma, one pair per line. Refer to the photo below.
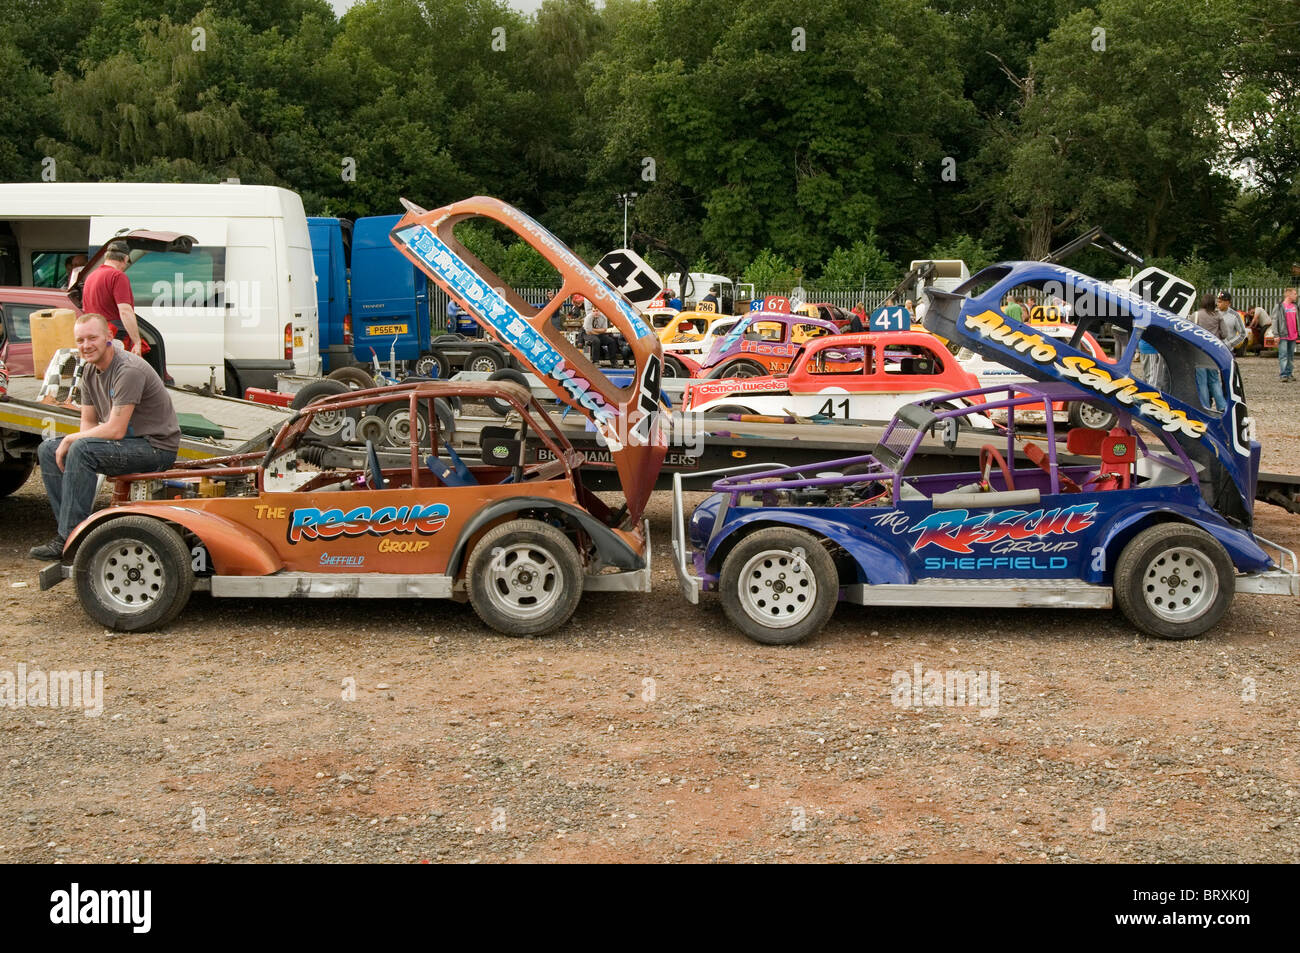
[1282,581]
[633,580]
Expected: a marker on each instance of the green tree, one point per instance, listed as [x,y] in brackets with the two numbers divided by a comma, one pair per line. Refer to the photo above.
[769,271]
[973,251]
[861,261]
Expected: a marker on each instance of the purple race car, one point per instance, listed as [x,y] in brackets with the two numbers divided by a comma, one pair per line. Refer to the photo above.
[1153,516]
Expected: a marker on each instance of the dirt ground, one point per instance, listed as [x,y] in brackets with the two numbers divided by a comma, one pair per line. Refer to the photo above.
[650,730]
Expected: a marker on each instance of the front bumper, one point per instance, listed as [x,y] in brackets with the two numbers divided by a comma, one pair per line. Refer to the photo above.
[689,582]
[683,563]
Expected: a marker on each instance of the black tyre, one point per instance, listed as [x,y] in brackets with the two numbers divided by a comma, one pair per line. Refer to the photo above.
[524,578]
[354,377]
[1174,581]
[500,407]
[446,417]
[485,360]
[329,428]
[730,409]
[397,423]
[432,364]
[133,574]
[1082,413]
[14,473]
[449,338]
[740,369]
[779,586]
[674,367]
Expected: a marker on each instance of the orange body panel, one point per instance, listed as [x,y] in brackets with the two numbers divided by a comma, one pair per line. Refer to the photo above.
[629,418]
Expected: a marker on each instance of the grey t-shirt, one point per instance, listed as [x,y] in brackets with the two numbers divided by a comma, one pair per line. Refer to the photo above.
[130,380]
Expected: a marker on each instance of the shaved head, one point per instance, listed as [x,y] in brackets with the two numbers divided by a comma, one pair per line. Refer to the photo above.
[93,318]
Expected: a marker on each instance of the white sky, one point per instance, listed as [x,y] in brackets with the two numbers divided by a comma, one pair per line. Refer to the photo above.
[523,6]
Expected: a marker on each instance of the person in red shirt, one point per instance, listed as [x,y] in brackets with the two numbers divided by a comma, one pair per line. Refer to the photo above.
[108,292]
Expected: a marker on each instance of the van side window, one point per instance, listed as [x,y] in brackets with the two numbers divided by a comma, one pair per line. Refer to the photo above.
[201,282]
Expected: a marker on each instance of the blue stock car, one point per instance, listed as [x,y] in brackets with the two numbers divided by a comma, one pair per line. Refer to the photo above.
[1153,516]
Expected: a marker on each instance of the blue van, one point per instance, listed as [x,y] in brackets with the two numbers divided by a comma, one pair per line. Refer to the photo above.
[331,247]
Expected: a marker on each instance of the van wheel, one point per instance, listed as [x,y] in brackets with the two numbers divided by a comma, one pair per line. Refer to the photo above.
[1082,413]
[432,364]
[485,360]
[524,578]
[500,407]
[14,473]
[326,427]
[355,377]
[779,586]
[1174,581]
[133,574]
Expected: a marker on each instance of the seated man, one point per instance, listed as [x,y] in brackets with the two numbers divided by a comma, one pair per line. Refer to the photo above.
[128,425]
[602,340]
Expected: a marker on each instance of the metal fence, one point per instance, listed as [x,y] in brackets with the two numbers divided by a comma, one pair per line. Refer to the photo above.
[872,296]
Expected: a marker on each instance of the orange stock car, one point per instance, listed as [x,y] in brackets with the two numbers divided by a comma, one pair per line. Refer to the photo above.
[520,543]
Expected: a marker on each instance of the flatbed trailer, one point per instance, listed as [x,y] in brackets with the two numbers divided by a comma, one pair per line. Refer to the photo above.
[25,421]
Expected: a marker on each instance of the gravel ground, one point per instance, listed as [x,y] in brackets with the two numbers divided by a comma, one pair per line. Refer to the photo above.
[649,730]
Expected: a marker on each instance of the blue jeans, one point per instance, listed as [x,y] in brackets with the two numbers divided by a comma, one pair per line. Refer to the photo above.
[1285,355]
[1209,384]
[72,489]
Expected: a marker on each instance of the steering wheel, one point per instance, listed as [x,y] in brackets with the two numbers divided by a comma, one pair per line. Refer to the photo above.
[988,456]
[375,472]
[1038,455]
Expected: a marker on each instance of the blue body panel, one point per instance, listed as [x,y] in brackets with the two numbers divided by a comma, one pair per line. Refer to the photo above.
[1065,536]
[330,263]
[1218,439]
[387,293]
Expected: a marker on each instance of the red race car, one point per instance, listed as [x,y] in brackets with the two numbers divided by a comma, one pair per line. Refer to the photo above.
[865,376]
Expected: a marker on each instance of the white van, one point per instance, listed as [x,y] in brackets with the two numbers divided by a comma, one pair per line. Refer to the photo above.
[242,302]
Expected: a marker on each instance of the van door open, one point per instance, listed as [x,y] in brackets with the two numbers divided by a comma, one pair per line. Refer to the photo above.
[185,297]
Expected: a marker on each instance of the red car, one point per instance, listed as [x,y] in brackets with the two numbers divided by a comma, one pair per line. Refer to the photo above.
[16,308]
[865,376]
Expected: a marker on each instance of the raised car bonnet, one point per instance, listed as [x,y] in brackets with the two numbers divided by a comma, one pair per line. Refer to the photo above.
[628,418]
[1220,440]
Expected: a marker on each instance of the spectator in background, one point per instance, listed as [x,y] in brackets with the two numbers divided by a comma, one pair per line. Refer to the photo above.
[1152,365]
[1234,329]
[1015,310]
[108,292]
[1258,323]
[1209,382]
[858,322]
[603,342]
[1284,320]
[73,267]
[910,305]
